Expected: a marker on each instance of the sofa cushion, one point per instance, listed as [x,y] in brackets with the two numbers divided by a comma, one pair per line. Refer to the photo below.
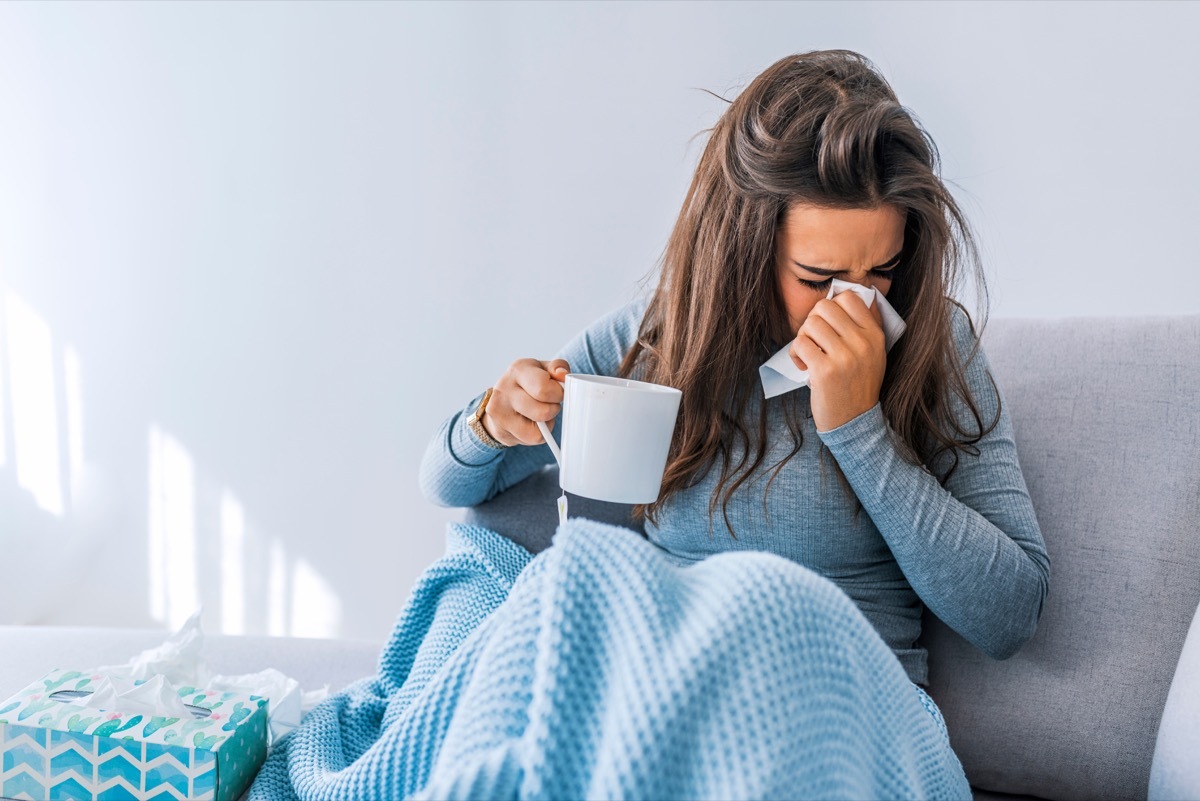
[527,512]
[1107,417]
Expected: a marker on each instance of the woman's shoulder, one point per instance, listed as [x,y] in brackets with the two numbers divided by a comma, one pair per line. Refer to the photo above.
[625,319]
[599,348]
[962,325]
[965,335]
[971,361]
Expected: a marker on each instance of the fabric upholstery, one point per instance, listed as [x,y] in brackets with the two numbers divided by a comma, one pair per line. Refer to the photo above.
[985,795]
[527,513]
[1107,417]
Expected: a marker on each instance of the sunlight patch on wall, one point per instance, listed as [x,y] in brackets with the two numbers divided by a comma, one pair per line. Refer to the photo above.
[73,386]
[34,410]
[316,609]
[3,383]
[233,565]
[173,581]
[277,590]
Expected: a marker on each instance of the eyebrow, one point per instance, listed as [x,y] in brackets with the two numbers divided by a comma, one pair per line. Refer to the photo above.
[820,271]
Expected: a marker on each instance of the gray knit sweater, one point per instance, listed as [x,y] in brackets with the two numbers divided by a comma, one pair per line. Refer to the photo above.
[970,550]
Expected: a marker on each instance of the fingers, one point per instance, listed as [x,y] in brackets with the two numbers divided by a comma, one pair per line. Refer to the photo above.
[839,330]
[557,368]
[834,316]
[857,310]
[526,393]
[820,331]
[527,406]
[849,318]
[526,432]
[533,377]
[805,353]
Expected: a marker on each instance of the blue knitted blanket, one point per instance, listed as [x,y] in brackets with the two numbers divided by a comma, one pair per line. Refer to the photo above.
[604,668]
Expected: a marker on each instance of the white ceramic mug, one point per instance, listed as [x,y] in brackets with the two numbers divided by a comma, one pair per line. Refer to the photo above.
[615,437]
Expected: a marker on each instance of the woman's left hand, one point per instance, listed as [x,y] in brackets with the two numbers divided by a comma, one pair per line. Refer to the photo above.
[841,344]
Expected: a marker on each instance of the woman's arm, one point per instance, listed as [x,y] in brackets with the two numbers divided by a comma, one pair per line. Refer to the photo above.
[458,469]
[972,550]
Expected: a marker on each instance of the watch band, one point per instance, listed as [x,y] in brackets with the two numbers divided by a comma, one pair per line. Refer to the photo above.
[475,423]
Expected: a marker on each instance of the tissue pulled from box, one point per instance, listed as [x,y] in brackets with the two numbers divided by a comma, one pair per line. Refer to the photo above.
[115,693]
[179,663]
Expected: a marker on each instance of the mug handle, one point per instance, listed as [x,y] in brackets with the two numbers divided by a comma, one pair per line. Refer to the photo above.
[550,441]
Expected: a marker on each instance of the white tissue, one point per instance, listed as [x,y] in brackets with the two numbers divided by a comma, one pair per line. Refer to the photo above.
[179,662]
[780,374]
[115,693]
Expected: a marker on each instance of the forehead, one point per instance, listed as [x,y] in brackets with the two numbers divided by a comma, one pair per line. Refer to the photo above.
[845,238]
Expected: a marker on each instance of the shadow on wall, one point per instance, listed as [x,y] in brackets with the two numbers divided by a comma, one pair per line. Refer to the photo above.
[58,509]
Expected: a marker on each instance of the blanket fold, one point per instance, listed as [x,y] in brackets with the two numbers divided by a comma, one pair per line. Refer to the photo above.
[603,669]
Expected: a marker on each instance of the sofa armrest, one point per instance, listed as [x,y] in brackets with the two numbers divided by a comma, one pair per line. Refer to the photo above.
[1175,770]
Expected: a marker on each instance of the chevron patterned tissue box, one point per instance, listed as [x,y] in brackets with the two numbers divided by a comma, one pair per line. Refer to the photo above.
[53,749]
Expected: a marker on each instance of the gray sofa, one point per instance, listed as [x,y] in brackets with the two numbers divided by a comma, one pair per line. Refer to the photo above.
[1099,705]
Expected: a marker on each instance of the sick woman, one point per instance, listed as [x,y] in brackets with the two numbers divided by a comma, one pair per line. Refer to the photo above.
[893,474]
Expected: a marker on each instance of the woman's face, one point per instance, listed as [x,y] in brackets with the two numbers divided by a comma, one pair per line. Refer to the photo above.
[815,244]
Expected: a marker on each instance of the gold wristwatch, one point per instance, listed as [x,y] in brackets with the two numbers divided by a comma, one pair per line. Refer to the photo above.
[475,423]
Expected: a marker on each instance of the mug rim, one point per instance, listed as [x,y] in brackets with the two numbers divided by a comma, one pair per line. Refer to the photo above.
[624,383]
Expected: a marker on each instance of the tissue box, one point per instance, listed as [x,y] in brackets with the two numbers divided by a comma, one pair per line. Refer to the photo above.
[55,750]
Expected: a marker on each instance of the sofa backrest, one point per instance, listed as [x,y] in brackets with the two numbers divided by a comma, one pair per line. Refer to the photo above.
[1107,416]
[527,513]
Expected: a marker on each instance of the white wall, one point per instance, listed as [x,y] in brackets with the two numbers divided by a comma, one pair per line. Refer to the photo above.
[252,254]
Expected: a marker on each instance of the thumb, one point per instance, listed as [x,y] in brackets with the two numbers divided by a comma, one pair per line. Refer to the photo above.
[558,369]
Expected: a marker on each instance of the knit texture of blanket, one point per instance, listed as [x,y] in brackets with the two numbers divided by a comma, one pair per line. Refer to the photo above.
[603,668]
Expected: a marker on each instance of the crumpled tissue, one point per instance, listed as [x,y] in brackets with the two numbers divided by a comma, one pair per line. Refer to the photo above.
[179,662]
[780,374]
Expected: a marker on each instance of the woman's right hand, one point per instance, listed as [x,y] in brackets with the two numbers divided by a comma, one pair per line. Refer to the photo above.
[529,391]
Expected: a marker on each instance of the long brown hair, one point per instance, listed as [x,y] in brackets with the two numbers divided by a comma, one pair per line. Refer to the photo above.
[822,128]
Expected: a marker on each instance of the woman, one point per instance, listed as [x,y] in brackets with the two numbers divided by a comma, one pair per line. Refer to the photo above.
[894,474]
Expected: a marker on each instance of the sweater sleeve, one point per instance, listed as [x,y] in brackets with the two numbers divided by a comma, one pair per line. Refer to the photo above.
[972,550]
[458,469]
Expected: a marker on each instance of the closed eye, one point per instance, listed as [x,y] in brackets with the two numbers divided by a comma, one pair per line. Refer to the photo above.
[890,263]
[879,271]
[815,284]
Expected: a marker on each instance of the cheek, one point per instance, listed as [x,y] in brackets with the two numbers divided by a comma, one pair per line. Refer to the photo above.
[799,300]
[882,284]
